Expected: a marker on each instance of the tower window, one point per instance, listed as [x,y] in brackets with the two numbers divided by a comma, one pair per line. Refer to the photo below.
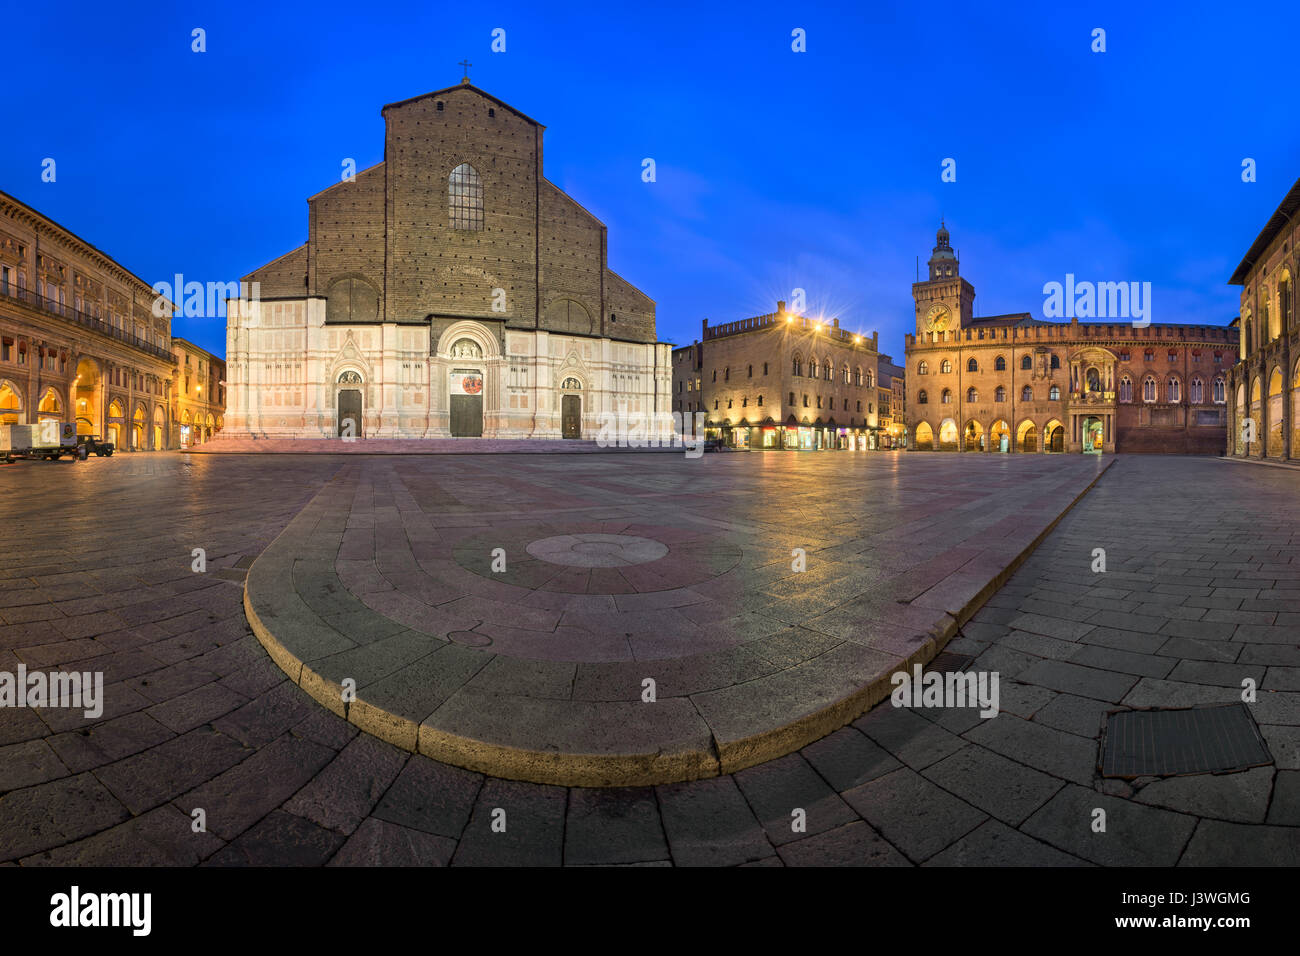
[439,106]
[491,112]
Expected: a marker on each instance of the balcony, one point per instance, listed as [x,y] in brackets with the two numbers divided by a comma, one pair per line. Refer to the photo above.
[68,313]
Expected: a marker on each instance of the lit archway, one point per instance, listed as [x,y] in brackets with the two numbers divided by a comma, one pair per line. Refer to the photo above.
[1054,436]
[86,397]
[1000,436]
[948,435]
[974,436]
[1275,413]
[924,440]
[11,406]
[137,429]
[50,407]
[159,420]
[1027,436]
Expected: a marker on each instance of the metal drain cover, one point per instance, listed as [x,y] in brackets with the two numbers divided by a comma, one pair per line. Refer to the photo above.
[1219,738]
[946,662]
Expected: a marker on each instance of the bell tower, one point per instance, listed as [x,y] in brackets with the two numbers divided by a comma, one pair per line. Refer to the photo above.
[944,301]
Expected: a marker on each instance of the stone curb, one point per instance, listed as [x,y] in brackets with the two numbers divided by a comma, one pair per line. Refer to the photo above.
[670,763]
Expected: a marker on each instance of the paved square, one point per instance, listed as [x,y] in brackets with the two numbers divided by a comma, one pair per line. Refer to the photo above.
[1202,589]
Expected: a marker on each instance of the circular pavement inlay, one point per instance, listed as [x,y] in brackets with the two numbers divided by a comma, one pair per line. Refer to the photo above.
[597,550]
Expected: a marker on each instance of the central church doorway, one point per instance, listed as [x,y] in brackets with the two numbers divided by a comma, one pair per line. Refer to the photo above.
[571,413]
[349,412]
[466,403]
[570,409]
[349,405]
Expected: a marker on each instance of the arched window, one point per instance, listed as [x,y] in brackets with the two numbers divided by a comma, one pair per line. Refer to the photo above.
[1196,392]
[1175,390]
[999,364]
[1054,393]
[945,367]
[751,371]
[857,376]
[798,367]
[465,198]
[828,370]
[972,365]
[1056,361]
[812,368]
[922,398]
[846,375]
[1126,389]
[1026,363]
[923,368]
[999,394]
[1026,394]
[1148,356]
[1149,389]
[1220,396]
[972,395]
[726,374]
[946,397]
[869,380]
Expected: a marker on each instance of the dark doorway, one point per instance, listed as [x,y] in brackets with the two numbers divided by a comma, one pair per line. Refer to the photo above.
[467,416]
[349,413]
[571,415]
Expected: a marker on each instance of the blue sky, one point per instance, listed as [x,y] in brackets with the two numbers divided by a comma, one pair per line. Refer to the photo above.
[775,169]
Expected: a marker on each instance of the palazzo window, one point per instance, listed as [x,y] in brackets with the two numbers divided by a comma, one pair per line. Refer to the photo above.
[1175,390]
[1054,394]
[465,198]
[1197,391]
[1220,396]
[999,364]
[1148,389]
[1026,394]
[945,367]
[1026,363]
[1126,389]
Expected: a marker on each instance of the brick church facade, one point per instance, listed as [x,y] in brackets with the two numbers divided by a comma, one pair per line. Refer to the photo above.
[449,290]
[1013,383]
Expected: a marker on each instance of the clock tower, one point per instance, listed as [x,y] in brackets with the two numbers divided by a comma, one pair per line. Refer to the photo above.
[945,301]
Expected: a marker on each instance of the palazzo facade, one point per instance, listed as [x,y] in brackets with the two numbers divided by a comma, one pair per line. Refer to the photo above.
[1013,383]
[1264,388]
[80,337]
[781,380]
[450,290]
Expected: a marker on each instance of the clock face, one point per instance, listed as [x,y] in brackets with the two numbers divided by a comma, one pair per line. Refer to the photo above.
[937,320]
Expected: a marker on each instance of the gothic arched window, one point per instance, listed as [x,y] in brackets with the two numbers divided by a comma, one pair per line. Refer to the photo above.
[465,198]
[1026,362]
[945,367]
[1126,389]
[999,364]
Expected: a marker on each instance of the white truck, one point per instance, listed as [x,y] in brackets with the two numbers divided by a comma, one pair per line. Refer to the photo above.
[48,440]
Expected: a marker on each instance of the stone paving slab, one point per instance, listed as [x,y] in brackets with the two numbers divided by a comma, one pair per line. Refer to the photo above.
[586,624]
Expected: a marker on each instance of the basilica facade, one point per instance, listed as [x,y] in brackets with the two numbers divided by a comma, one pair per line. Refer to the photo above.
[450,290]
